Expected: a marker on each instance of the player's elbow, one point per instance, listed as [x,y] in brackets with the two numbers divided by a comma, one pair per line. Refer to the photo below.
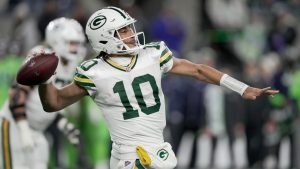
[49,109]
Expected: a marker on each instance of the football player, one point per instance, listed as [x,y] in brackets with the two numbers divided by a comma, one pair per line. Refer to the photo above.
[23,120]
[125,82]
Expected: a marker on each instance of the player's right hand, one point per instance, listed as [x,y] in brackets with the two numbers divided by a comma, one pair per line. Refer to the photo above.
[27,140]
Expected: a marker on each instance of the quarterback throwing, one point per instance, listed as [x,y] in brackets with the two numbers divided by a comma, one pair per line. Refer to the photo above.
[125,82]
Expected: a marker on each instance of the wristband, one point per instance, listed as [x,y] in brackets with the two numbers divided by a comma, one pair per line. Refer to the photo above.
[233,84]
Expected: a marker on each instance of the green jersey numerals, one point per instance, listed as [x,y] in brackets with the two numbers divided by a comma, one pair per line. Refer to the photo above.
[136,86]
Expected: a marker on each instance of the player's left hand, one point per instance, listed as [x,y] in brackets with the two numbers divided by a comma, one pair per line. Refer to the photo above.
[251,92]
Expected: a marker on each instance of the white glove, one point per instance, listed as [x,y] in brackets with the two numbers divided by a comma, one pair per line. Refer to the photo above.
[69,130]
[27,140]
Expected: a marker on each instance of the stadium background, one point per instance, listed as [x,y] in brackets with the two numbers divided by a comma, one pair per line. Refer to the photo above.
[254,40]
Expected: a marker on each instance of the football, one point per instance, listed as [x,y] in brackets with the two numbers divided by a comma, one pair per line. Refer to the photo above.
[38,68]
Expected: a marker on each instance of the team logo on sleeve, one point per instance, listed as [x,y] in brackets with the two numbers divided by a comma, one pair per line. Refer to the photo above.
[97,22]
[163,154]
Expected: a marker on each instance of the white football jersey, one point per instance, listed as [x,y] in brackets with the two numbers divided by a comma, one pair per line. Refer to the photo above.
[130,97]
[37,117]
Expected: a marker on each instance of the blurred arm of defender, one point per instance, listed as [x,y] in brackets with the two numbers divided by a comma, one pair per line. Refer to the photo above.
[17,105]
[17,101]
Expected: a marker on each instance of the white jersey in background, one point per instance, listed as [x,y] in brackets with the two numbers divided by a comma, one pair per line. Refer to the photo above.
[38,121]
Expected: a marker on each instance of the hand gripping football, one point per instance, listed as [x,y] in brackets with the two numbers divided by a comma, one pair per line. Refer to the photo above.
[38,68]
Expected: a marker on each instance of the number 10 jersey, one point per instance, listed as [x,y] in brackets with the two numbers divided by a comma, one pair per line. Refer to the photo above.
[130,97]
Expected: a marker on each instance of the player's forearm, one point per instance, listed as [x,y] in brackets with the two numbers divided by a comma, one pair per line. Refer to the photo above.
[49,97]
[208,74]
[17,101]
[198,71]
[54,99]
[216,77]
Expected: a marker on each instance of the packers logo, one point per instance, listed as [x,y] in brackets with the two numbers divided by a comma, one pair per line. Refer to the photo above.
[98,22]
[163,154]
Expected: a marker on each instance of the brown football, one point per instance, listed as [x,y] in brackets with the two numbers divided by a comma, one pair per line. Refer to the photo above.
[37,69]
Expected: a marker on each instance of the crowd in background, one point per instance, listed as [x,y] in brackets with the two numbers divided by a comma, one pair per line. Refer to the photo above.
[256,41]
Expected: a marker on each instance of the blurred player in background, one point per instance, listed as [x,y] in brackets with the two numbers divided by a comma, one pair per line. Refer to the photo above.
[125,82]
[23,120]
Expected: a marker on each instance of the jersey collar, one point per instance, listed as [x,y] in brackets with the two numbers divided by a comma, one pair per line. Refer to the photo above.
[127,68]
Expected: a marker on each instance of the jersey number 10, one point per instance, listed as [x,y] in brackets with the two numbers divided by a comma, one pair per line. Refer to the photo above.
[137,81]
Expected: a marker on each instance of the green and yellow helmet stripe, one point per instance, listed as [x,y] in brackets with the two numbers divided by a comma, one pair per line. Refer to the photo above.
[165,57]
[117,10]
[83,80]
